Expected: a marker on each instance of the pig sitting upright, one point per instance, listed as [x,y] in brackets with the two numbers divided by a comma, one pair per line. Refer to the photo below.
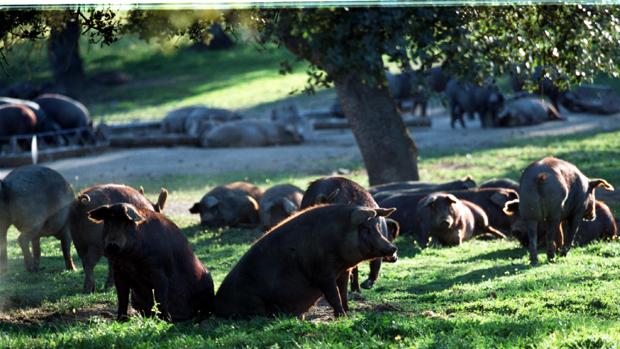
[341,190]
[153,260]
[88,235]
[251,133]
[451,221]
[233,205]
[36,200]
[551,191]
[277,203]
[305,257]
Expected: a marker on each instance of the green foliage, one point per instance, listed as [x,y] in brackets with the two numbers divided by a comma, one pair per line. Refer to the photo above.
[479,295]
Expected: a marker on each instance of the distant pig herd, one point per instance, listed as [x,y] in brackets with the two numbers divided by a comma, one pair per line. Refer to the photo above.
[314,240]
[221,128]
[46,114]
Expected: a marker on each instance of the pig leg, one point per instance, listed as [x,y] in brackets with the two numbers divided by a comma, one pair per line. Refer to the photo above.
[3,248]
[329,287]
[355,280]
[36,252]
[375,267]
[89,260]
[24,242]
[343,286]
[532,234]
[572,229]
[160,281]
[110,281]
[122,295]
[553,234]
[65,244]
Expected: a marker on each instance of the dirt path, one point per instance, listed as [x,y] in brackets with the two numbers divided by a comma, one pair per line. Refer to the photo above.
[315,156]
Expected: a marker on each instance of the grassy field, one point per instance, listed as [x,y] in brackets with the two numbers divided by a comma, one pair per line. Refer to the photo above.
[167,75]
[482,294]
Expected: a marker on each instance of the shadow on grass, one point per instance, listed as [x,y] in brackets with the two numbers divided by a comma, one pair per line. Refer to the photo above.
[505,254]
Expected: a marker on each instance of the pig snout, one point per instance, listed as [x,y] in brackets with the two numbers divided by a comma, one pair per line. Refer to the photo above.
[112,248]
[389,253]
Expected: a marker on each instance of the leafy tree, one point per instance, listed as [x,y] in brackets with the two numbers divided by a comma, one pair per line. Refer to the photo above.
[62,29]
[347,47]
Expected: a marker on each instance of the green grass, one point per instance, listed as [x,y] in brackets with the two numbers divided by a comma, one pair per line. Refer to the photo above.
[481,294]
[167,75]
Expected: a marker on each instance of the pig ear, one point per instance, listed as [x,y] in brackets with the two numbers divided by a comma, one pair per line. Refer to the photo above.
[469,181]
[599,182]
[331,197]
[99,214]
[252,201]
[511,207]
[132,213]
[83,199]
[289,206]
[361,215]
[452,198]
[141,190]
[393,228]
[327,199]
[385,212]
[195,209]
[429,199]
[212,201]
[499,199]
[161,200]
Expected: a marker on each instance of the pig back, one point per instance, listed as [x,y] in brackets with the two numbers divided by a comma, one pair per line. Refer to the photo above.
[37,196]
[84,231]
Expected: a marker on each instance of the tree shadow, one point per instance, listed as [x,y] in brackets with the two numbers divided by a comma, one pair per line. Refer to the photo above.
[505,254]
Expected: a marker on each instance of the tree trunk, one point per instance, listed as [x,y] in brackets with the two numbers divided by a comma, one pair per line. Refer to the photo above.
[64,55]
[388,151]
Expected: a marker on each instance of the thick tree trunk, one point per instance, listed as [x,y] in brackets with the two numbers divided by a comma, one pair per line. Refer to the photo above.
[388,151]
[64,55]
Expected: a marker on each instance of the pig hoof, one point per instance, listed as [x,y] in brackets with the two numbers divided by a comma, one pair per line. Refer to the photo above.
[368,284]
[122,318]
[340,315]
[533,263]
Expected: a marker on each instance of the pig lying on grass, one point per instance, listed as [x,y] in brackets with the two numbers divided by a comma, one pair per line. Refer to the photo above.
[451,221]
[233,205]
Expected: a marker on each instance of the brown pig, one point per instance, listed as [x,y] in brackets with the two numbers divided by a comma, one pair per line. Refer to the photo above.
[342,190]
[305,257]
[451,221]
[603,227]
[277,203]
[154,262]
[36,200]
[552,191]
[491,200]
[459,184]
[88,235]
[233,205]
